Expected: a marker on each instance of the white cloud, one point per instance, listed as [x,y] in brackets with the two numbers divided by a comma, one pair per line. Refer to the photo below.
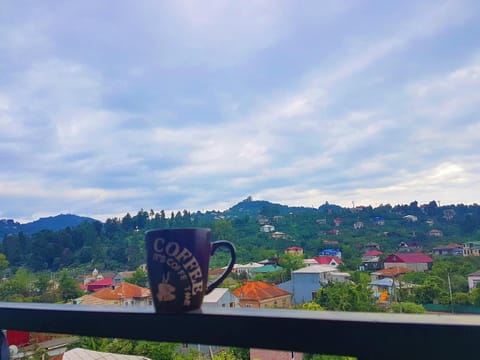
[197,105]
[213,33]
[448,97]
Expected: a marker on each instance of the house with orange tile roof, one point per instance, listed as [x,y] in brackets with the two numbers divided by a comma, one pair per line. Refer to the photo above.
[258,294]
[124,294]
[391,273]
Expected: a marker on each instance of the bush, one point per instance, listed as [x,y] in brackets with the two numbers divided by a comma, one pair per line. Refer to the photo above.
[408,308]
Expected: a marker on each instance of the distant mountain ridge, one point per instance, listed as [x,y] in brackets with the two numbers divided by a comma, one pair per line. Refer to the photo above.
[54,223]
[255,207]
[247,207]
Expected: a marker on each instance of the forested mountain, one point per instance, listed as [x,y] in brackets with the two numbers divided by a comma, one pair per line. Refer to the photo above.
[117,244]
[59,222]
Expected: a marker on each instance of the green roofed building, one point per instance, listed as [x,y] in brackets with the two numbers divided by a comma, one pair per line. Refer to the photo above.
[266,269]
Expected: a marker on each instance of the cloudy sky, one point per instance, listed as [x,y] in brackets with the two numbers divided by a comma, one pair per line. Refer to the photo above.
[110,107]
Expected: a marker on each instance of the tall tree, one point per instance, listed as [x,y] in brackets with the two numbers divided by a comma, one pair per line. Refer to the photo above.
[342,296]
[67,286]
[3,262]
[139,278]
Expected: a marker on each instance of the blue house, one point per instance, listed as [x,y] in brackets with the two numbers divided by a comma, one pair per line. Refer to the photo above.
[378,220]
[305,282]
[331,252]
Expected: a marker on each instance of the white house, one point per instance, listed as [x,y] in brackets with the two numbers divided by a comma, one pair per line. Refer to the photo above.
[473,280]
[267,228]
[222,298]
[410,218]
[245,268]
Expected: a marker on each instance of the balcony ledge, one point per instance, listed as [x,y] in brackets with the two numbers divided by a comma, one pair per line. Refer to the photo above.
[365,335]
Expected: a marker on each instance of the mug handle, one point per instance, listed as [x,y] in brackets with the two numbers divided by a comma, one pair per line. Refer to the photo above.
[233,257]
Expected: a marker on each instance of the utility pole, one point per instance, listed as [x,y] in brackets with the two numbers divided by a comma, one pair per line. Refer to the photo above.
[450,290]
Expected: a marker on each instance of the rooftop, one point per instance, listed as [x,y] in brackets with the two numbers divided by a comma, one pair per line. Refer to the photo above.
[449,246]
[315,269]
[327,259]
[123,291]
[258,290]
[107,281]
[83,354]
[215,295]
[393,271]
[267,269]
[409,258]
[373,253]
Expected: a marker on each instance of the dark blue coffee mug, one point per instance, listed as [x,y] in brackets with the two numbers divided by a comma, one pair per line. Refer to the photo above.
[177,265]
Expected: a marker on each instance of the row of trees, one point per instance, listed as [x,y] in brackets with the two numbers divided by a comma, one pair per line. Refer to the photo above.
[117,244]
[25,286]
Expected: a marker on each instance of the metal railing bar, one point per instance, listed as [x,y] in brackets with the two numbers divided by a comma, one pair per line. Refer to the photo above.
[365,335]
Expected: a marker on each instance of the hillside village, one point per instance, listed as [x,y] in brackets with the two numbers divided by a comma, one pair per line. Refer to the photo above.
[391,259]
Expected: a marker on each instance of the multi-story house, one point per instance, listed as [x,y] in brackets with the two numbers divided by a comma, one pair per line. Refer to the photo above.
[450,249]
[471,248]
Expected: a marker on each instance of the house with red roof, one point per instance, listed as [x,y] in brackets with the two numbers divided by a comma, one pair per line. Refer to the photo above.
[413,261]
[374,252]
[258,294]
[100,284]
[328,260]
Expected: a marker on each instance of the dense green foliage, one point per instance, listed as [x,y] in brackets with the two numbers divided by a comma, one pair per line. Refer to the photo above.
[25,286]
[408,308]
[117,244]
[158,350]
[345,296]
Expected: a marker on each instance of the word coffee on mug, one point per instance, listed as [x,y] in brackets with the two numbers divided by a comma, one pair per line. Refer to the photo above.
[177,265]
